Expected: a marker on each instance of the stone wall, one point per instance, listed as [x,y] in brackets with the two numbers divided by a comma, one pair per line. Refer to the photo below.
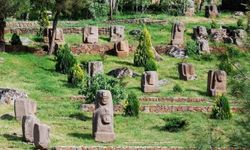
[173,99]
[159,109]
[116,148]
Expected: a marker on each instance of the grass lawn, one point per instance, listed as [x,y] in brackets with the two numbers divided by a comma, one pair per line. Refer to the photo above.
[36,76]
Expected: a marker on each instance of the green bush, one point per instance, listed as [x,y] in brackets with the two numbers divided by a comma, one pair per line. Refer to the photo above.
[175,124]
[103,82]
[43,22]
[132,105]
[240,23]
[65,60]
[75,76]
[192,48]
[177,89]
[144,50]
[221,109]
[238,88]
[151,65]
[214,25]
[173,7]
[15,40]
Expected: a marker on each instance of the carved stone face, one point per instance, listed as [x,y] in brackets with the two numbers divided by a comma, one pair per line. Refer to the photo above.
[150,79]
[220,76]
[104,98]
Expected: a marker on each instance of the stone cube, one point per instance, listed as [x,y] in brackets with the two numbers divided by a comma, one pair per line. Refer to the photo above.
[117,33]
[94,68]
[90,34]
[178,34]
[149,82]
[217,82]
[122,48]
[187,71]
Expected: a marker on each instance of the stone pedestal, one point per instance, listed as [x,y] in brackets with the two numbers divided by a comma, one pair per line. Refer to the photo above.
[24,107]
[103,128]
[28,123]
[217,83]
[149,82]
[94,68]
[187,71]
[178,34]
[117,33]
[122,48]
[41,136]
[90,34]
[211,11]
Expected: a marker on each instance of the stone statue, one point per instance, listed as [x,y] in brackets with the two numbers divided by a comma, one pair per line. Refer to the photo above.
[200,32]
[103,128]
[94,68]
[122,48]
[178,34]
[28,123]
[186,71]
[90,34]
[149,82]
[117,33]
[217,82]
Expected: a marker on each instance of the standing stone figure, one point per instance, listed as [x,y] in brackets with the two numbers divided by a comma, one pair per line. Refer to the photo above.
[149,82]
[186,71]
[90,34]
[2,41]
[122,48]
[200,32]
[211,11]
[178,34]
[217,82]
[28,123]
[41,136]
[103,128]
[203,46]
[24,107]
[117,33]
[94,68]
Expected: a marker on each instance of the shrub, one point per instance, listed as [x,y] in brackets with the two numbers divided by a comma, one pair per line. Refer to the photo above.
[192,48]
[132,105]
[215,25]
[238,88]
[103,82]
[174,7]
[144,51]
[177,89]
[221,109]
[240,23]
[175,124]
[151,65]
[65,60]
[75,76]
[15,40]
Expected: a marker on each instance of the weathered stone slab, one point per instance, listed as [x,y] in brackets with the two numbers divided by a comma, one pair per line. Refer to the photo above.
[41,136]
[59,38]
[217,82]
[187,71]
[211,11]
[90,35]
[149,82]
[200,32]
[122,48]
[103,128]
[178,34]
[24,107]
[28,123]
[94,68]
[117,33]
[204,47]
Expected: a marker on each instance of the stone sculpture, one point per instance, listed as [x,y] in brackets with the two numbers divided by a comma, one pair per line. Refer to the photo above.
[103,128]
[24,107]
[90,34]
[178,34]
[94,68]
[122,48]
[117,33]
[217,82]
[149,82]
[41,136]
[186,71]
[28,123]
[211,11]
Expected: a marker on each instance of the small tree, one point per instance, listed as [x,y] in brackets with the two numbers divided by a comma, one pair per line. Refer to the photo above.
[43,21]
[75,76]
[144,51]
[221,109]
[132,105]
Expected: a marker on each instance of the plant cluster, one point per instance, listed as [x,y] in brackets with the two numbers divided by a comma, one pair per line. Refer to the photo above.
[76,75]
[132,105]
[175,124]
[221,109]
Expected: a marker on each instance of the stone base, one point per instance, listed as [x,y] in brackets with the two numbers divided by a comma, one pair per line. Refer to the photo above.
[150,89]
[104,137]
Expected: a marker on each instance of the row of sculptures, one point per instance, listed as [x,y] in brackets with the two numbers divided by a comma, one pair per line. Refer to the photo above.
[216,82]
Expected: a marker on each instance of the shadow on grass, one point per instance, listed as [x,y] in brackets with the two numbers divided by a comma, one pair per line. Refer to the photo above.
[81,135]
[124,63]
[52,70]
[202,93]
[80,116]
[174,77]
[7,117]
[13,137]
